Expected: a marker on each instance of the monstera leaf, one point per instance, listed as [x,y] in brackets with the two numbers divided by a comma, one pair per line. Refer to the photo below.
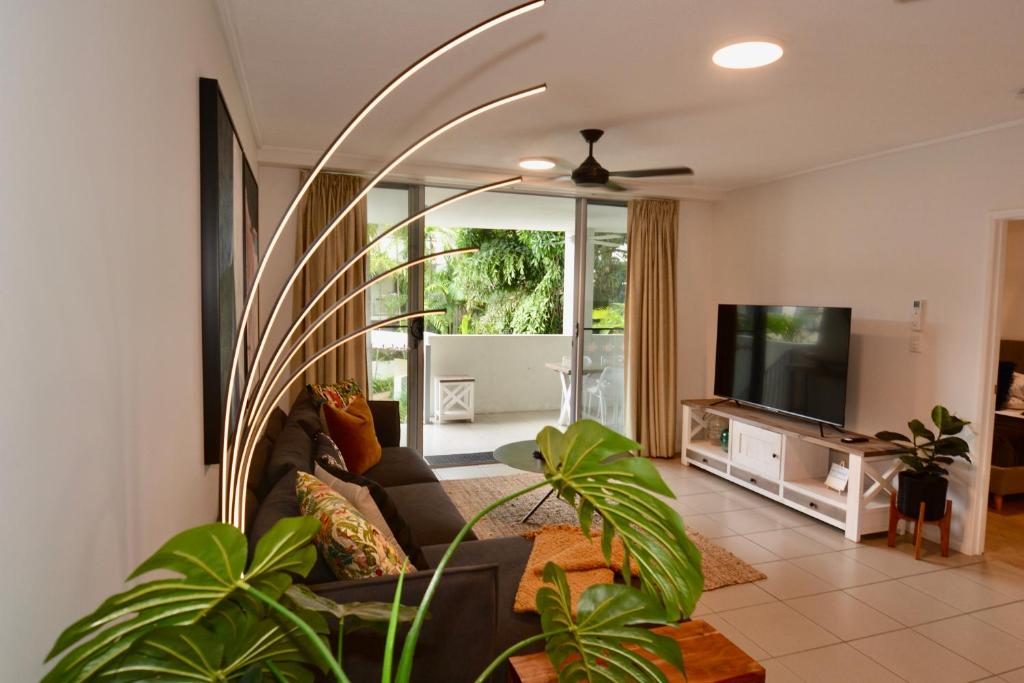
[233,645]
[210,561]
[588,468]
[593,647]
[352,615]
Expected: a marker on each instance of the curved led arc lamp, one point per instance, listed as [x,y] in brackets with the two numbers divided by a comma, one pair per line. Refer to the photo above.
[262,388]
[239,518]
[227,462]
[262,408]
[324,234]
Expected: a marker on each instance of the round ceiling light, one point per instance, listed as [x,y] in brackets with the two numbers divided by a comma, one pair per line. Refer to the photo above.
[748,55]
[536,164]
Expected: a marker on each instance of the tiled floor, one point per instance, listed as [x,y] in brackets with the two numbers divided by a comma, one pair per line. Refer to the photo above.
[486,433]
[833,610]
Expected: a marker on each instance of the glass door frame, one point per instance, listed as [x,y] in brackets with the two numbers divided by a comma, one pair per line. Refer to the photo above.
[416,365]
[580,325]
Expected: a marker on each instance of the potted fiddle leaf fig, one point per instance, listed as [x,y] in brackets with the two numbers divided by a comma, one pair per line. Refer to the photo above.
[928,455]
[225,619]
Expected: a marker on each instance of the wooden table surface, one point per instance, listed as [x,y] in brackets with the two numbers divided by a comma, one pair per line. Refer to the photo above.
[709,657]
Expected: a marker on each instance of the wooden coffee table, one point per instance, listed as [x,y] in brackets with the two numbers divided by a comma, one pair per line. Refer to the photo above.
[709,657]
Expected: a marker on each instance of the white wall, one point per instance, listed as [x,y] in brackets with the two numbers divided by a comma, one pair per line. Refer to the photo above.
[101,415]
[875,235]
[693,282]
[509,369]
[277,189]
[1013,283]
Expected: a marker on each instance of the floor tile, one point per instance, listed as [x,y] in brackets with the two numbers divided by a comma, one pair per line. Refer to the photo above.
[998,576]
[837,664]
[903,603]
[888,561]
[785,516]
[778,629]
[843,615]
[734,597]
[787,543]
[707,526]
[776,672]
[743,498]
[1012,676]
[964,594]
[786,580]
[688,486]
[746,550]
[826,535]
[839,569]
[703,503]
[680,506]
[737,637]
[915,658]
[1010,618]
[746,521]
[971,638]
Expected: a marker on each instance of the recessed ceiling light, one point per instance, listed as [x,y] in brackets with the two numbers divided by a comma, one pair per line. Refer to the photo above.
[536,164]
[748,55]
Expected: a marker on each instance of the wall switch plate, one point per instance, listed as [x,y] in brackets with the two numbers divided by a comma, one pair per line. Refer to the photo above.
[917,315]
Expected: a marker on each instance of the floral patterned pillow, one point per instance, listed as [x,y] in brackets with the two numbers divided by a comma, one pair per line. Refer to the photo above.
[338,395]
[352,547]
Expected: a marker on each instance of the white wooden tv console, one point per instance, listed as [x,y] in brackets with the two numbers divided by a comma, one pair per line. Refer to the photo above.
[787,460]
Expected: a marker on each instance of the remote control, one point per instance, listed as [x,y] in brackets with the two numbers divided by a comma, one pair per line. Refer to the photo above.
[854,439]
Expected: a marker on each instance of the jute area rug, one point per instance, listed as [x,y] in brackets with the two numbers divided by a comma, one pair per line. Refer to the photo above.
[721,568]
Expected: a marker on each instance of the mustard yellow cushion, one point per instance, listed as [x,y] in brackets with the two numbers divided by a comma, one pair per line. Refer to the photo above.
[351,428]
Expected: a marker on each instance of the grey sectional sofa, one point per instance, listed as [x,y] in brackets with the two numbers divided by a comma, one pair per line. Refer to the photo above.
[471,618]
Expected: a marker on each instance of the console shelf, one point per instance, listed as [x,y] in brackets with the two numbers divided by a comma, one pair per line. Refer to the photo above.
[787,460]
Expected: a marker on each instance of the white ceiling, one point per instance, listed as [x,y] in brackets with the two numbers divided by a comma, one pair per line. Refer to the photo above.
[859,77]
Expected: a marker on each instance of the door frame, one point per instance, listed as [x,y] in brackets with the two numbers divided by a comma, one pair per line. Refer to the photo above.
[975,525]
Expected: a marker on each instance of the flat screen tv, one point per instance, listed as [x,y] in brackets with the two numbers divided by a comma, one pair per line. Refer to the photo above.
[788,359]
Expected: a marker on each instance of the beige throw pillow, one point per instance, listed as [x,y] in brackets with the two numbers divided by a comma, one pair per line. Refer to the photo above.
[362,501]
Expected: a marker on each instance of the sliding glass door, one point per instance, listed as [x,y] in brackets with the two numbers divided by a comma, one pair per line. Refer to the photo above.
[601,318]
[534,321]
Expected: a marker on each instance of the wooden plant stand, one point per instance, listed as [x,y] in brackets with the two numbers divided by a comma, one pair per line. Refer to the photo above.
[895,516]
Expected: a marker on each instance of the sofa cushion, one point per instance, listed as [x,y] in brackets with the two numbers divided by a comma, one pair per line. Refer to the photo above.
[431,515]
[400,466]
[351,428]
[293,449]
[510,554]
[352,546]
[334,466]
[1003,452]
[387,420]
[275,423]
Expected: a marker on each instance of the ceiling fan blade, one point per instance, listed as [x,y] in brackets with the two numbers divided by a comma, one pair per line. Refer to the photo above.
[652,172]
[615,187]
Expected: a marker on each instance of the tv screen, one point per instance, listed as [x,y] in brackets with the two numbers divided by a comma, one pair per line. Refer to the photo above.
[790,359]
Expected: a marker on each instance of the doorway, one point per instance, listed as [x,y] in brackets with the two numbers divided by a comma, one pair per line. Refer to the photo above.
[1004,519]
[544,295]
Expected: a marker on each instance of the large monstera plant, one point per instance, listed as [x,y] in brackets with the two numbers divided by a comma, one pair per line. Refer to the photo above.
[220,621]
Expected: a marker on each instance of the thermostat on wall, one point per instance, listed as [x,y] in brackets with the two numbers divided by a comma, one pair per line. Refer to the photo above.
[917,315]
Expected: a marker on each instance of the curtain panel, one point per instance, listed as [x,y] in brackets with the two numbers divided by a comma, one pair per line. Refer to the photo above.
[328,195]
[650,341]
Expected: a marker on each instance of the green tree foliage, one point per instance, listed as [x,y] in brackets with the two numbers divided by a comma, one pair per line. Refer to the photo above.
[513,285]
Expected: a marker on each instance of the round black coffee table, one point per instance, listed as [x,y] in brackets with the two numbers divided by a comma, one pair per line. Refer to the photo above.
[520,455]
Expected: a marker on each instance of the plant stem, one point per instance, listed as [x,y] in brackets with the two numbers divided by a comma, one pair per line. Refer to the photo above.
[341,633]
[278,676]
[508,653]
[389,642]
[318,644]
[405,663]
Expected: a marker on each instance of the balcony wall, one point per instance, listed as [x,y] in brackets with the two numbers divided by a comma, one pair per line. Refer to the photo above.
[509,369]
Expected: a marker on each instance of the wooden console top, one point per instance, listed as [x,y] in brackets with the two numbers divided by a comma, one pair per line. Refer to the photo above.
[793,427]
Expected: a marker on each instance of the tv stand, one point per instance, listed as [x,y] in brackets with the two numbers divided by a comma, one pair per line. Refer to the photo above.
[787,460]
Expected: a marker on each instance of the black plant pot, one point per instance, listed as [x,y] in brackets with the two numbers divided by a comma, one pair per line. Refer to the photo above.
[915,488]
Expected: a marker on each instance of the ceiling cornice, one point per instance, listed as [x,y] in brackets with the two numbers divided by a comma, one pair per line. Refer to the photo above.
[230,32]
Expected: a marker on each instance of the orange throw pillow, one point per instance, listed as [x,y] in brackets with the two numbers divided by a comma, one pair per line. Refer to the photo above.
[352,430]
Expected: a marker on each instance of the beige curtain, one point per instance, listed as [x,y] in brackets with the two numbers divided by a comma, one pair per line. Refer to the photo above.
[651,325]
[329,194]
